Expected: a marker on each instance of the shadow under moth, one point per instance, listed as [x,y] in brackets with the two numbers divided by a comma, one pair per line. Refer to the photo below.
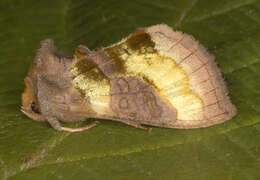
[155,76]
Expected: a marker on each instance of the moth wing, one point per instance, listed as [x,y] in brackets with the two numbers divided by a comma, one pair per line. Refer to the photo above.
[179,70]
[134,100]
[202,75]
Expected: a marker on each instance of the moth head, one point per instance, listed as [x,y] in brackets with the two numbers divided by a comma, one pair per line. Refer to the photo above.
[48,64]
[39,67]
[30,104]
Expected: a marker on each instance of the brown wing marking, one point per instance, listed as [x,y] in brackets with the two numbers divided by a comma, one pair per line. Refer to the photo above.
[135,100]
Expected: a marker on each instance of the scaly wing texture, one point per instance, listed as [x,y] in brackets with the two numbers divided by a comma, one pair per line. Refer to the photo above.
[180,70]
[94,86]
[202,76]
[136,101]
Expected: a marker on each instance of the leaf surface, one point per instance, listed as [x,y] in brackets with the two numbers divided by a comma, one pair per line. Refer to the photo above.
[230,29]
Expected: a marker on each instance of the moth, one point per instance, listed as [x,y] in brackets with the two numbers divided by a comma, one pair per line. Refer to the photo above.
[156,76]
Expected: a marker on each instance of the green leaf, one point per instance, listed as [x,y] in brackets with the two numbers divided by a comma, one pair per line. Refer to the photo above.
[32,150]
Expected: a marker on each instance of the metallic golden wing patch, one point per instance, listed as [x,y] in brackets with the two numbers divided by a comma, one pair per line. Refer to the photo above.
[180,70]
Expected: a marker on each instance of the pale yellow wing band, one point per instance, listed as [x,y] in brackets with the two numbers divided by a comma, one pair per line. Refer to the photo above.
[204,77]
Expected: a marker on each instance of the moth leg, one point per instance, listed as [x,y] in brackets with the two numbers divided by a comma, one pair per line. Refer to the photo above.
[54,123]
[57,125]
[136,124]
[91,125]
[34,116]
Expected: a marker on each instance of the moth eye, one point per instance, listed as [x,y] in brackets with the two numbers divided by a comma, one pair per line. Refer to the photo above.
[34,108]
